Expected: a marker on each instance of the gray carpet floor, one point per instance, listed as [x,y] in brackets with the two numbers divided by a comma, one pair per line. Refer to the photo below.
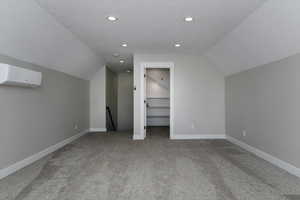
[114,167]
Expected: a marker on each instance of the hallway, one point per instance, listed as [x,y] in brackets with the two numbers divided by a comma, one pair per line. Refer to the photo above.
[112,166]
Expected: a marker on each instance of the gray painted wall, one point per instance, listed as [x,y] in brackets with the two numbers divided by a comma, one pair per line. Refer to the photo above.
[112,94]
[34,119]
[125,101]
[158,83]
[265,101]
[199,104]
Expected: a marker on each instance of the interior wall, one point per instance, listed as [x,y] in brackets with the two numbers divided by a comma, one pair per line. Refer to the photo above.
[264,101]
[158,83]
[125,101]
[98,100]
[112,95]
[32,119]
[199,105]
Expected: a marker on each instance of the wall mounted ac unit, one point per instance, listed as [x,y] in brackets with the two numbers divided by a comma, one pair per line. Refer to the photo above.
[17,76]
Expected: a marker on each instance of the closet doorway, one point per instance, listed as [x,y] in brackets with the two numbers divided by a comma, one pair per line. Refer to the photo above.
[157,98]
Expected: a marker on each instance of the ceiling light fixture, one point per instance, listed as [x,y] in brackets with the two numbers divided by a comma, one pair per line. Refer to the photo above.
[116,55]
[124,45]
[128,71]
[177,45]
[112,18]
[122,61]
[188,19]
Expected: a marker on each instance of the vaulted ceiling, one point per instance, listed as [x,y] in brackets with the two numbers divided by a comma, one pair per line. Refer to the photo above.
[269,34]
[74,36]
[28,33]
[149,26]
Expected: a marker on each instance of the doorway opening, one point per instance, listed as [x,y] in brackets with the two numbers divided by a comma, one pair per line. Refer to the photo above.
[119,100]
[157,102]
[157,97]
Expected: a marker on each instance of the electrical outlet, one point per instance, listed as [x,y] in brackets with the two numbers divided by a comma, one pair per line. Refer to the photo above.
[244,133]
[193,125]
[75,127]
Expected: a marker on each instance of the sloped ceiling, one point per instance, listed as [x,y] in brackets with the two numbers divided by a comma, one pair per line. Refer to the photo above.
[269,34]
[149,26]
[30,34]
[74,36]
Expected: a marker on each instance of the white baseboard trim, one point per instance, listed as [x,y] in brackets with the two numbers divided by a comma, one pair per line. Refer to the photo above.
[97,130]
[138,137]
[275,161]
[31,159]
[197,137]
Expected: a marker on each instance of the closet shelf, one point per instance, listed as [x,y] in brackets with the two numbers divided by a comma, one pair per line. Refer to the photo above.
[158,116]
[163,107]
[158,98]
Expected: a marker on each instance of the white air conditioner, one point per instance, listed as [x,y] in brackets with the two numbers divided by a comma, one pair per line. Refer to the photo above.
[17,76]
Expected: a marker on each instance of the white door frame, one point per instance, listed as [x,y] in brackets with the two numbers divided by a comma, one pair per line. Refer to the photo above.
[167,65]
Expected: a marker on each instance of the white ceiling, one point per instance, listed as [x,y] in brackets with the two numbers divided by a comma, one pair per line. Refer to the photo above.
[271,33]
[73,36]
[149,26]
[30,34]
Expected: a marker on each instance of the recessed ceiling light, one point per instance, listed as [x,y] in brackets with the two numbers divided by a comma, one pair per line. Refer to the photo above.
[112,18]
[116,55]
[177,45]
[124,45]
[188,19]
[128,71]
[122,61]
